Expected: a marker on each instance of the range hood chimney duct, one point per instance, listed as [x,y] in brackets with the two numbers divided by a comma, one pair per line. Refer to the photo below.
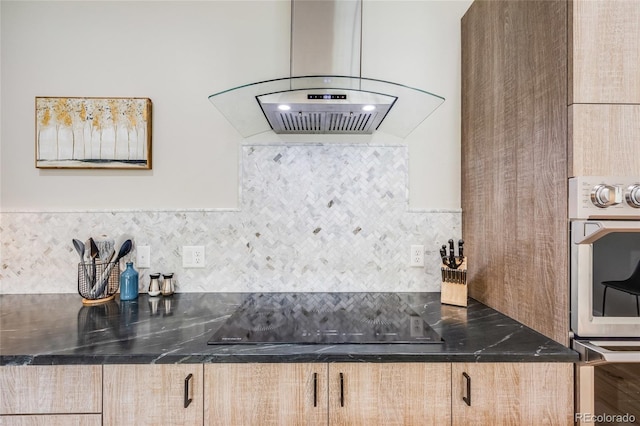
[325,92]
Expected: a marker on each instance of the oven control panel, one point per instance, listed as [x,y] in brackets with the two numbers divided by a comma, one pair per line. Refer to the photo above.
[604,197]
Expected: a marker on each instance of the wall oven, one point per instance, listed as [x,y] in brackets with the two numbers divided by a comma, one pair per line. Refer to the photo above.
[604,221]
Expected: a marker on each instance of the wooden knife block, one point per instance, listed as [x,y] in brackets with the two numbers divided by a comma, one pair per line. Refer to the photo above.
[454,284]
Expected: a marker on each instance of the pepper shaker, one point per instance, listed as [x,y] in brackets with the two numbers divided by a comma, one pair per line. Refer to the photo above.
[154,284]
[167,284]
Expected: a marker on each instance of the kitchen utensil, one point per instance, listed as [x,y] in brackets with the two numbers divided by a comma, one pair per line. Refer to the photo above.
[79,245]
[94,254]
[99,287]
[460,248]
[452,255]
[443,251]
[105,247]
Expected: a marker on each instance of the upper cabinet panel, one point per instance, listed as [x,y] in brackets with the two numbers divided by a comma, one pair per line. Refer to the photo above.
[604,140]
[605,53]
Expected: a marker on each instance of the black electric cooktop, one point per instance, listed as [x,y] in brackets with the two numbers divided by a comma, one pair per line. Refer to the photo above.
[324,318]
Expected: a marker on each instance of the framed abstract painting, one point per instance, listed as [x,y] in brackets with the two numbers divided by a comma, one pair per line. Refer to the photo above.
[93,133]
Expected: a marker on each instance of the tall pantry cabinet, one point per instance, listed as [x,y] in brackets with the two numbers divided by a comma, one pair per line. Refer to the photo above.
[550,90]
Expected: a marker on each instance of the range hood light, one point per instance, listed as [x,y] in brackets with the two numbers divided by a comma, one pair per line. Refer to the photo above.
[368,107]
[284,107]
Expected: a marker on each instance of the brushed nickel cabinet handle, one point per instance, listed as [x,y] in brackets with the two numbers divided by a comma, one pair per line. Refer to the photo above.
[187,400]
[467,397]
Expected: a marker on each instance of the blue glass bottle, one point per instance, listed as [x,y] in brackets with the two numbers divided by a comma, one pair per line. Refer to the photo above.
[129,283]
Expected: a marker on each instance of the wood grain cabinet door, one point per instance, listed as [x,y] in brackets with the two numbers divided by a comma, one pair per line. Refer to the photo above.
[512,394]
[389,394]
[50,389]
[265,394]
[153,394]
[604,139]
[605,54]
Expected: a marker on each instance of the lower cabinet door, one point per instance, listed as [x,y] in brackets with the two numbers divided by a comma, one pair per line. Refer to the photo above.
[512,394]
[265,394]
[153,394]
[390,394]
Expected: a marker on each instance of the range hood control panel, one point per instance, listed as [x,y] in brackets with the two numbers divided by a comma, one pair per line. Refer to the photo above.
[326,96]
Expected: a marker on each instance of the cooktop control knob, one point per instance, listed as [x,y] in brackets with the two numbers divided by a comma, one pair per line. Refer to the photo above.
[606,195]
[633,196]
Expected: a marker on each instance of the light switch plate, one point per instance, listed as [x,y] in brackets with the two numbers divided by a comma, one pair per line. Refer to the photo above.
[143,257]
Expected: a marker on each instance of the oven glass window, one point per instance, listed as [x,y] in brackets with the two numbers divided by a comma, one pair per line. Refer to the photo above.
[616,275]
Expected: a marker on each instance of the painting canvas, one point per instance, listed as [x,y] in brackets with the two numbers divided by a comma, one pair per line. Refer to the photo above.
[86,133]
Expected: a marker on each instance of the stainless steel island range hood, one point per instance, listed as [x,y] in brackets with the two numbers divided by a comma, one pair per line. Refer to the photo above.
[325,92]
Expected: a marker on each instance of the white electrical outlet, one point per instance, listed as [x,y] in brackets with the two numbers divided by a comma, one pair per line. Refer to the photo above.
[417,255]
[193,256]
[143,257]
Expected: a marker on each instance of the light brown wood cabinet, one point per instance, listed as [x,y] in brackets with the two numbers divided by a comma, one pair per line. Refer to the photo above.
[288,394]
[334,394]
[265,394]
[550,90]
[604,139]
[512,394]
[604,88]
[51,395]
[153,394]
[389,394]
[604,52]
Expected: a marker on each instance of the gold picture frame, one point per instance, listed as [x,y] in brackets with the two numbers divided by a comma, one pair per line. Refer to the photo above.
[93,133]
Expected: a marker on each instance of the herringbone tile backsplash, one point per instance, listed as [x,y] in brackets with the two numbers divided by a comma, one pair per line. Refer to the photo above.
[312,218]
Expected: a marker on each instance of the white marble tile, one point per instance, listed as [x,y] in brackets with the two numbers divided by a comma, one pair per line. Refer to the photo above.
[312,218]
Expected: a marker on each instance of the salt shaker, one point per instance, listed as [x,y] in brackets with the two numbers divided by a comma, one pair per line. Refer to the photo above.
[154,284]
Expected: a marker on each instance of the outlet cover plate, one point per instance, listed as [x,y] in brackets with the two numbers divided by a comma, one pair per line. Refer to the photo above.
[417,256]
[193,256]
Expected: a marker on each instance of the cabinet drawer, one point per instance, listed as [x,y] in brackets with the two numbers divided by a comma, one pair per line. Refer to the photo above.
[52,420]
[55,389]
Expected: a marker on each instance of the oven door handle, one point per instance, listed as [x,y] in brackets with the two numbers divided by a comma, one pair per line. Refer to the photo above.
[592,354]
[592,230]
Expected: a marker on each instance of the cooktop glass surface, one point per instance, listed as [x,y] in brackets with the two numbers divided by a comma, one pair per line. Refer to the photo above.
[324,318]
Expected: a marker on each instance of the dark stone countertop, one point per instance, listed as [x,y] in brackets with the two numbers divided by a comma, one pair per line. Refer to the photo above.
[58,329]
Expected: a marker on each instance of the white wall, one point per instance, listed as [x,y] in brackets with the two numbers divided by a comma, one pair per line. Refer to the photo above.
[177,54]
